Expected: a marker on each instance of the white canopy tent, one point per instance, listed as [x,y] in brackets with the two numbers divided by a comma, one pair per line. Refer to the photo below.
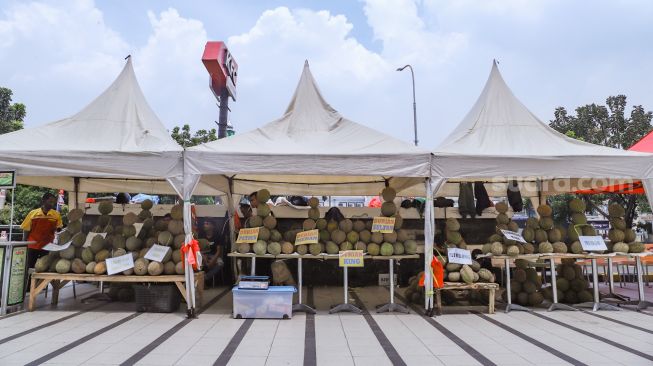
[311,150]
[115,144]
[501,140]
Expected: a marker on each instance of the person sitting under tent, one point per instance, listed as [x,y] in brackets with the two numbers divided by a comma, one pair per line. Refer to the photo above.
[212,257]
[40,226]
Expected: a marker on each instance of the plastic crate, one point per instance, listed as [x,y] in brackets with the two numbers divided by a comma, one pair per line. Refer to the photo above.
[159,298]
[273,303]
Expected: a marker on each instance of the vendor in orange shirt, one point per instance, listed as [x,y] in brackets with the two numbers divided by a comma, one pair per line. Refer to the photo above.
[40,226]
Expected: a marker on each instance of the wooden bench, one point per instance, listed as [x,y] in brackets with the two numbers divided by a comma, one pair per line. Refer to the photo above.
[491,287]
[40,281]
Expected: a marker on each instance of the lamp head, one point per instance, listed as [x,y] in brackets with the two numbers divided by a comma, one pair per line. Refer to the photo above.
[402,68]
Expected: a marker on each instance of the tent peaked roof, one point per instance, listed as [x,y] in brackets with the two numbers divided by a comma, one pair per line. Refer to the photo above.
[500,125]
[116,136]
[310,139]
[311,127]
[644,145]
[119,119]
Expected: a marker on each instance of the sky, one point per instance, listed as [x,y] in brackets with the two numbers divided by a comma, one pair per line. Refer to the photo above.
[57,56]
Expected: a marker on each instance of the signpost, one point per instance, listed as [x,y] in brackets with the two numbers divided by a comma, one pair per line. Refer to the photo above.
[459,256]
[223,73]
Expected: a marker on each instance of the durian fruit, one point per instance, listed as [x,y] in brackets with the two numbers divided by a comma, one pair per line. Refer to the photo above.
[154,268]
[559,247]
[616,235]
[262,196]
[387,249]
[263,210]
[636,247]
[545,210]
[501,207]
[388,194]
[545,247]
[346,225]
[390,237]
[255,221]
[270,222]
[42,263]
[332,248]
[141,266]
[90,267]
[620,247]
[616,210]
[576,247]
[373,249]
[177,212]
[264,233]
[260,247]
[321,224]
[362,246]
[467,274]
[346,246]
[546,222]
[100,268]
[274,248]
[244,248]
[315,249]
[301,249]
[105,207]
[359,225]
[376,238]
[313,202]
[410,246]
[577,205]
[496,248]
[179,268]
[512,250]
[388,209]
[309,224]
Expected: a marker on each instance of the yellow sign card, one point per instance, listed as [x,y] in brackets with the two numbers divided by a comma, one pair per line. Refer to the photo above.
[307,237]
[350,258]
[249,235]
[383,225]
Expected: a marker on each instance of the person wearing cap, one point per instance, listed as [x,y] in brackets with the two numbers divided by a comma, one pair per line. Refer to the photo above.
[40,226]
[246,211]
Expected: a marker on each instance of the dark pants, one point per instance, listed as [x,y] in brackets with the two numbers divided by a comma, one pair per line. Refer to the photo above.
[33,255]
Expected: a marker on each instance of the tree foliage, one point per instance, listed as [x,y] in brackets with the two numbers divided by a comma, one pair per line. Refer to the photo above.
[608,126]
[26,198]
[185,138]
[11,114]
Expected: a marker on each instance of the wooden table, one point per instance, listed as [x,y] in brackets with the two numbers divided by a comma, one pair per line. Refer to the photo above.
[40,281]
[492,287]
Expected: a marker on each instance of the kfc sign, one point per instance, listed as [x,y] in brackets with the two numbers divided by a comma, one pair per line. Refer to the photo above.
[222,68]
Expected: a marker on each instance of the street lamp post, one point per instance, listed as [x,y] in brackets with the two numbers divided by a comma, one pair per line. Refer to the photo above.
[412,74]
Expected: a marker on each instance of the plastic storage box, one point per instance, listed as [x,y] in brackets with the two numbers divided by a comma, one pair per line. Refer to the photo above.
[273,303]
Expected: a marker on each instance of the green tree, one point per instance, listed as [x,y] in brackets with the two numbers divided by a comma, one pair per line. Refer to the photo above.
[185,138]
[11,114]
[608,126]
[26,198]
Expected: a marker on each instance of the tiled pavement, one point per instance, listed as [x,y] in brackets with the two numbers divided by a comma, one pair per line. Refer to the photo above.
[113,334]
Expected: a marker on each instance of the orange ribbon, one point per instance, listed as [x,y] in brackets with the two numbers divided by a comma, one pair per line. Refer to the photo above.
[437,270]
[189,250]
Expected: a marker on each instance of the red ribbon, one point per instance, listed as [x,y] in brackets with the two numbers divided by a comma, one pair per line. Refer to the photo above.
[437,269]
[189,250]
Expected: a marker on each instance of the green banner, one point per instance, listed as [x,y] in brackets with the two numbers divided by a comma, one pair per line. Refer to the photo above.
[17,276]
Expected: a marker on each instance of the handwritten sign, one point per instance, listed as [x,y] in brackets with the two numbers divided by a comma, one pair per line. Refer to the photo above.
[52,247]
[120,264]
[511,235]
[384,225]
[139,227]
[350,258]
[459,256]
[249,235]
[157,253]
[307,237]
[592,243]
[89,238]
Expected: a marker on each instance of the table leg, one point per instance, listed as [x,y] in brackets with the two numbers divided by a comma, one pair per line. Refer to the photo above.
[510,306]
[253,269]
[346,306]
[55,292]
[35,289]
[300,307]
[641,303]
[182,289]
[554,288]
[391,306]
[491,299]
[596,304]
[438,301]
[611,294]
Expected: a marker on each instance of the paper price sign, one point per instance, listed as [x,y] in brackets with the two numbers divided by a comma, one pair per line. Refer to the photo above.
[119,264]
[56,248]
[89,238]
[384,225]
[249,235]
[139,227]
[459,256]
[592,243]
[511,235]
[350,258]
[307,237]
[157,253]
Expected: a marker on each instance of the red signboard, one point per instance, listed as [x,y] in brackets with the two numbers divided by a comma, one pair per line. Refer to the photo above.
[221,66]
